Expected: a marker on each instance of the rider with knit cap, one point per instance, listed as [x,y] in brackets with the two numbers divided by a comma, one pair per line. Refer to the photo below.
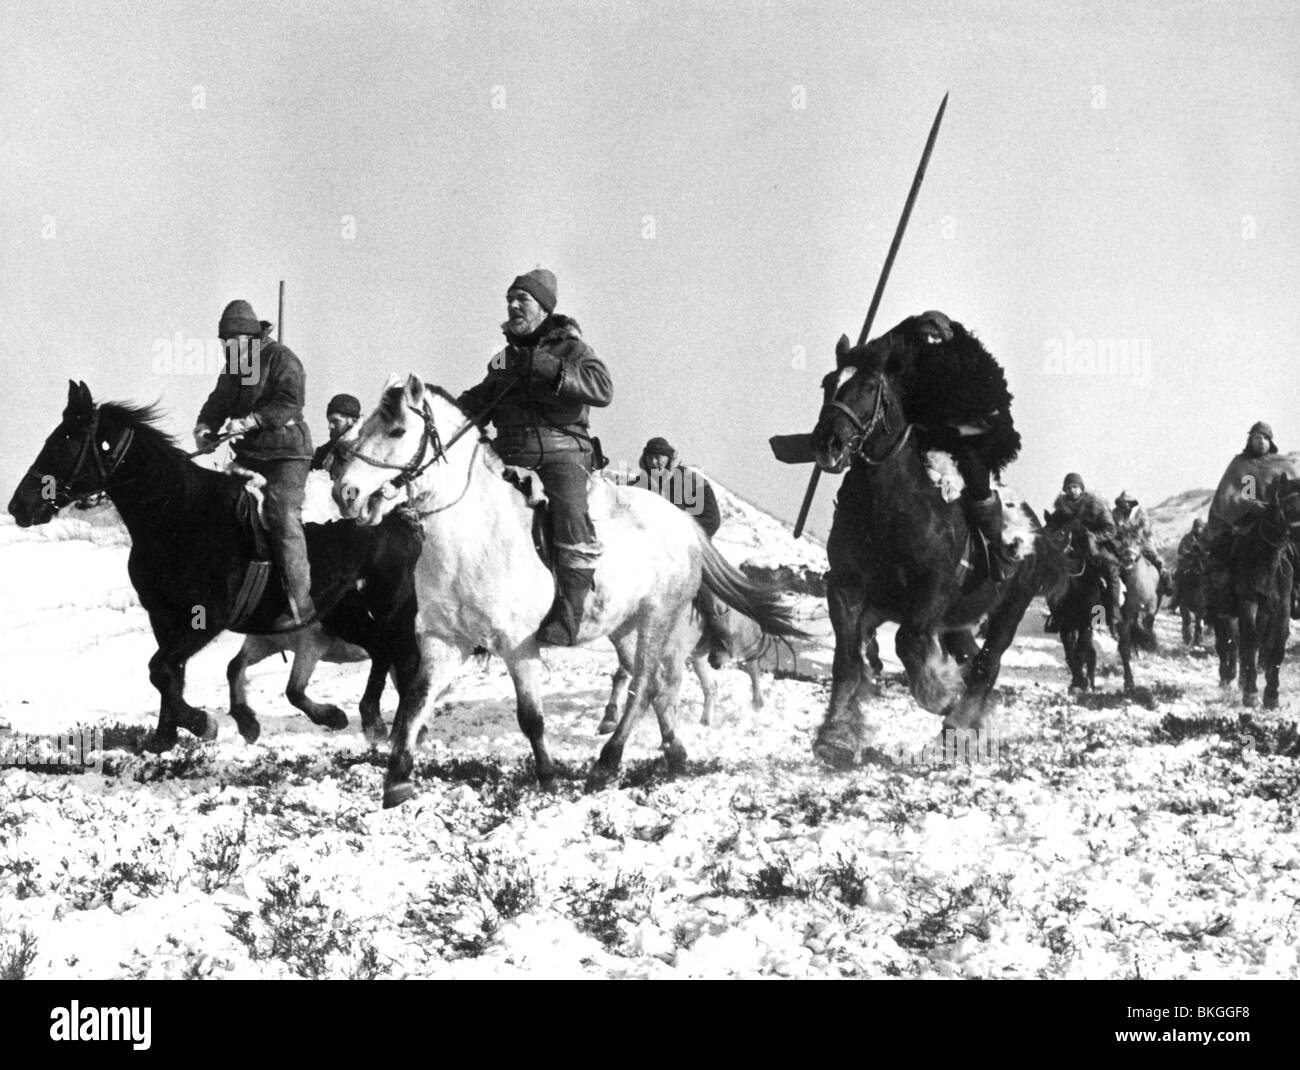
[341,414]
[1076,502]
[537,393]
[690,492]
[259,396]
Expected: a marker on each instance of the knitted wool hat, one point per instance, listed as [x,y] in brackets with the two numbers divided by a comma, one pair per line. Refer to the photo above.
[540,284]
[344,405]
[239,318]
[659,445]
[1073,477]
[1261,428]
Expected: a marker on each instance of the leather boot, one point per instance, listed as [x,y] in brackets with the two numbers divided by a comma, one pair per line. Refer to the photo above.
[563,622]
[986,516]
[296,572]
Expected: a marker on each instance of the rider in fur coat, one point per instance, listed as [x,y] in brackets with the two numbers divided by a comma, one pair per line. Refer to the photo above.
[1075,502]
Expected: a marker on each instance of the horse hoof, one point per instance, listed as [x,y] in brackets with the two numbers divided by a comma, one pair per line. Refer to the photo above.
[548,785]
[676,755]
[208,728]
[1270,702]
[157,742]
[396,794]
[331,717]
[246,721]
[376,732]
[606,726]
[599,778]
[839,756]
[1248,700]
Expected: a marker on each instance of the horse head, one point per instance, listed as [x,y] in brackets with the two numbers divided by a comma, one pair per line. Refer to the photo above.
[401,436]
[78,459]
[861,411]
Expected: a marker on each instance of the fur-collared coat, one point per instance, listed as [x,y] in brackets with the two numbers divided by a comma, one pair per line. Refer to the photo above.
[954,392]
[1092,513]
[543,386]
[276,400]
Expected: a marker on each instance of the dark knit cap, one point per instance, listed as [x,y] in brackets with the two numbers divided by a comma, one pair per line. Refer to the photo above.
[658,445]
[1073,477]
[1125,498]
[239,318]
[344,405]
[540,283]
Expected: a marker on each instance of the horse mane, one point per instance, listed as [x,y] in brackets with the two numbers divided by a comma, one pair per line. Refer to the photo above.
[144,421]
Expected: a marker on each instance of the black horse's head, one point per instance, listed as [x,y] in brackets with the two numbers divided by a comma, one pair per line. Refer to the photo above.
[861,412]
[78,458]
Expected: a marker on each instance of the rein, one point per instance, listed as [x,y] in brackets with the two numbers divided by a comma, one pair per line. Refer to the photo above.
[430,443]
[105,467]
[857,446]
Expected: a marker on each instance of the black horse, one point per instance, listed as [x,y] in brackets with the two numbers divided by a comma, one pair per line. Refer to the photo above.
[1254,599]
[897,551]
[1189,595]
[190,552]
[1080,609]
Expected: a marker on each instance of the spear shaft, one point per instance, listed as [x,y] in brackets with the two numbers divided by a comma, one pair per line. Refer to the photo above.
[880,285]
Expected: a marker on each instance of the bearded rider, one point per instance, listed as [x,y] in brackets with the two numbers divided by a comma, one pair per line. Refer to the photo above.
[537,393]
[259,396]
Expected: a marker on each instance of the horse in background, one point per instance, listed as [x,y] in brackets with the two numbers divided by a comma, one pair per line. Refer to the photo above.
[1191,597]
[747,645]
[1255,597]
[480,581]
[900,551]
[190,551]
[1136,625]
[1080,609]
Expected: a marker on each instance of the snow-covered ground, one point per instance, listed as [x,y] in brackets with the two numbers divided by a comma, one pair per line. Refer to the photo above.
[1110,837]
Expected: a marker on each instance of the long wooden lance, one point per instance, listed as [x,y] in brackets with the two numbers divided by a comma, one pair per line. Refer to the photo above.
[880,285]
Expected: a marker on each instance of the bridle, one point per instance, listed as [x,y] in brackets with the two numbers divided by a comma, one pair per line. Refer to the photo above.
[105,466]
[431,451]
[857,445]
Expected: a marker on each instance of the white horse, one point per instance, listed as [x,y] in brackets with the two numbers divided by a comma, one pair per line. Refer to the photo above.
[480,583]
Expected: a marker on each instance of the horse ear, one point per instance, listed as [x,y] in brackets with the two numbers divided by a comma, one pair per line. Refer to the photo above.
[415,389]
[841,350]
[79,399]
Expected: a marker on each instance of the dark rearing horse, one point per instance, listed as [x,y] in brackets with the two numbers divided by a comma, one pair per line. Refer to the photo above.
[897,553]
[189,554]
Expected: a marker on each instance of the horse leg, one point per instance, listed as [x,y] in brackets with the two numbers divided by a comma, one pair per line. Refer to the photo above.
[372,722]
[423,672]
[1249,624]
[177,643]
[708,685]
[840,737]
[1089,657]
[617,696]
[668,687]
[755,671]
[961,645]
[644,666]
[524,664]
[308,645]
[977,705]
[934,679]
[1187,626]
[1126,650]
[253,650]
[1070,642]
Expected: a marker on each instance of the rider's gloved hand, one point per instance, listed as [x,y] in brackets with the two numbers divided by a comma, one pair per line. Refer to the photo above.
[241,425]
[546,367]
[203,436]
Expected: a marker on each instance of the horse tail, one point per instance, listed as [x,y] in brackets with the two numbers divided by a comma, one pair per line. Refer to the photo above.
[765,605]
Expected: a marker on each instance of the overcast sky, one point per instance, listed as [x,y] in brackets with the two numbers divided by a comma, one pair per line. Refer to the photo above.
[715,187]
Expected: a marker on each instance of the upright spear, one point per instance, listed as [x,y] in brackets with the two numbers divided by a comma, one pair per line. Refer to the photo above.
[880,285]
[279,319]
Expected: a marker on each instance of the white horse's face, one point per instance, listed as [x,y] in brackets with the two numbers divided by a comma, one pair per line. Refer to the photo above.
[382,446]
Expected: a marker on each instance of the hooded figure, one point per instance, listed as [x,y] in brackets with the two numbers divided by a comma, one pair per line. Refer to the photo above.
[537,393]
[690,492]
[259,396]
[1245,486]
